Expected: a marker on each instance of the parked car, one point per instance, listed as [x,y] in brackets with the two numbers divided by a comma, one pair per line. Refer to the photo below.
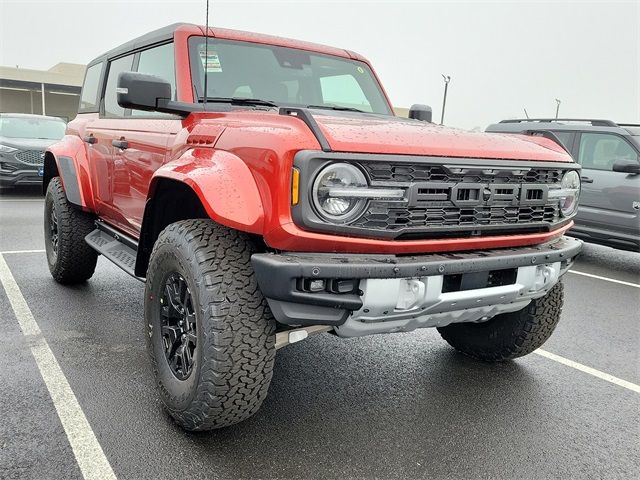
[609,207]
[23,141]
[263,190]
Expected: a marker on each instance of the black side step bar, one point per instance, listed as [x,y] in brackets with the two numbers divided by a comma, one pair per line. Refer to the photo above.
[116,247]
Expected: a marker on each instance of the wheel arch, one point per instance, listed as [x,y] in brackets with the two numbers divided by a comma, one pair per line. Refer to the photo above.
[50,170]
[202,183]
[170,202]
[68,160]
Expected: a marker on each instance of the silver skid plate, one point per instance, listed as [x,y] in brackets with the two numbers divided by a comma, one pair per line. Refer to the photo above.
[404,304]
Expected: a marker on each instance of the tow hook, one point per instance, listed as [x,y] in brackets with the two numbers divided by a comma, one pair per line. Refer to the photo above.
[298,334]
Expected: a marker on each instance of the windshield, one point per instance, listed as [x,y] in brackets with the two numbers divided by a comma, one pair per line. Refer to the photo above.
[30,127]
[285,76]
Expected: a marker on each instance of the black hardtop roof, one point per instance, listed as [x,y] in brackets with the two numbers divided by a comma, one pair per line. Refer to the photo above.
[155,36]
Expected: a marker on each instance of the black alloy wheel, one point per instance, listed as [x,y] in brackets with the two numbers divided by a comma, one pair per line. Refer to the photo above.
[178,318]
[53,231]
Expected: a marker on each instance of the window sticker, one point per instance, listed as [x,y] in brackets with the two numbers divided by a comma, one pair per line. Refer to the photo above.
[210,60]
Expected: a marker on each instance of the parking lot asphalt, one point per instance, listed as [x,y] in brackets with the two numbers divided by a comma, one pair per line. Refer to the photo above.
[392,406]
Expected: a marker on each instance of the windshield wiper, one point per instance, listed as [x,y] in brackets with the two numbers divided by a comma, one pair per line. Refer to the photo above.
[336,107]
[238,101]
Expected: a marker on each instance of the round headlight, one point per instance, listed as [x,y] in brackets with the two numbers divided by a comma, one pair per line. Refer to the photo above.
[570,188]
[326,192]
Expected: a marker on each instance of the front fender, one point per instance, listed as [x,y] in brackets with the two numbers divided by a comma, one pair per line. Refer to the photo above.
[68,159]
[223,183]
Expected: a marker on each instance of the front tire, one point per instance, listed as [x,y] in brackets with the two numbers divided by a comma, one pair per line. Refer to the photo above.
[71,260]
[508,335]
[210,333]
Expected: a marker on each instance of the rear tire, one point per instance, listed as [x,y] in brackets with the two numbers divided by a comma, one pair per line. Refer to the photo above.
[203,305]
[508,335]
[71,260]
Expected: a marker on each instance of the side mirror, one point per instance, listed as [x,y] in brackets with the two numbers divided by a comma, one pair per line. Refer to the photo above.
[626,166]
[149,93]
[421,112]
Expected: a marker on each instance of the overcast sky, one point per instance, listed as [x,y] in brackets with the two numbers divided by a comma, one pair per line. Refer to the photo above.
[502,56]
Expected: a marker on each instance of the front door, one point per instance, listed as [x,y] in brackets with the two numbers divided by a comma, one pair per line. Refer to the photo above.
[608,198]
[131,144]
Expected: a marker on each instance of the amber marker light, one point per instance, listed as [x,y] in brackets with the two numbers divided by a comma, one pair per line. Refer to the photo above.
[295,186]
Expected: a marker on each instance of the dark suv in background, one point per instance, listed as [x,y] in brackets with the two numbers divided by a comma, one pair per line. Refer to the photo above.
[23,141]
[609,207]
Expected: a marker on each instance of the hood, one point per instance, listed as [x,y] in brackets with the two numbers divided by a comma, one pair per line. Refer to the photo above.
[359,133]
[27,143]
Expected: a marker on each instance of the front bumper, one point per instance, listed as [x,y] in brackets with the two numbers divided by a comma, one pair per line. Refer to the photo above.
[285,281]
[20,177]
[14,172]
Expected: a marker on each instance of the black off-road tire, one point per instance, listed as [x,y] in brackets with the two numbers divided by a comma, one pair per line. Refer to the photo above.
[235,330]
[71,260]
[508,335]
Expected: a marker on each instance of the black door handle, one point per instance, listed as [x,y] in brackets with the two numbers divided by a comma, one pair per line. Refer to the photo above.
[586,180]
[122,144]
[90,139]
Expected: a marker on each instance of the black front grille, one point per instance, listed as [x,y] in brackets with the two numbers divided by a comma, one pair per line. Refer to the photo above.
[31,157]
[442,197]
[394,218]
[405,173]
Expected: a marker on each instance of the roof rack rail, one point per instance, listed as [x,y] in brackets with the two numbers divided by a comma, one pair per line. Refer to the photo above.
[629,124]
[593,122]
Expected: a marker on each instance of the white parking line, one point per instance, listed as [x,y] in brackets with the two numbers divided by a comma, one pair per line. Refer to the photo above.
[10,252]
[606,279]
[591,371]
[88,453]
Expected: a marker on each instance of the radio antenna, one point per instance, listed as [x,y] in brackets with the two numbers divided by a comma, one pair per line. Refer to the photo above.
[206,58]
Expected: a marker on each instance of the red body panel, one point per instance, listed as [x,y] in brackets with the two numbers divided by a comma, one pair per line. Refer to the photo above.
[224,185]
[368,134]
[239,163]
[291,238]
[72,146]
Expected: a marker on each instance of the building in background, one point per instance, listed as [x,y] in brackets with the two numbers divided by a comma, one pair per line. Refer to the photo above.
[54,92]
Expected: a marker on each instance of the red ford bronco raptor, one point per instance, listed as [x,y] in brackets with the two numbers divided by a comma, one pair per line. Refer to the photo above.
[264,190]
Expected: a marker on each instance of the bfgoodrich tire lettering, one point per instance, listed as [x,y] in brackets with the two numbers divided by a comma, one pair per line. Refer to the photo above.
[235,331]
[71,260]
[509,335]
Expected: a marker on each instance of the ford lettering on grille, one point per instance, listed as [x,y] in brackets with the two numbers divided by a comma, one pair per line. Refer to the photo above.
[477,194]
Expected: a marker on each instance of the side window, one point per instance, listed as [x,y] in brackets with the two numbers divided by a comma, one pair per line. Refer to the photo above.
[344,91]
[599,151]
[89,97]
[116,67]
[158,61]
[566,138]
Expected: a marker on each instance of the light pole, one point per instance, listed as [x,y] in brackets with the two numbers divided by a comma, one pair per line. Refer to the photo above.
[558,102]
[446,79]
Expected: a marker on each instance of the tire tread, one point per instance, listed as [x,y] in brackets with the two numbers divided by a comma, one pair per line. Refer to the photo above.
[76,260]
[239,350]
[508,335]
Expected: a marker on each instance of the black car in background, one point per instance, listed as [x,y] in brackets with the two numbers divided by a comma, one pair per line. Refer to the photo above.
[609,152]
[23,141]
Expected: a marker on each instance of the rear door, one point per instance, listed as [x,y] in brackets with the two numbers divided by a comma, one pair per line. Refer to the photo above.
[607,199]
[101,132]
